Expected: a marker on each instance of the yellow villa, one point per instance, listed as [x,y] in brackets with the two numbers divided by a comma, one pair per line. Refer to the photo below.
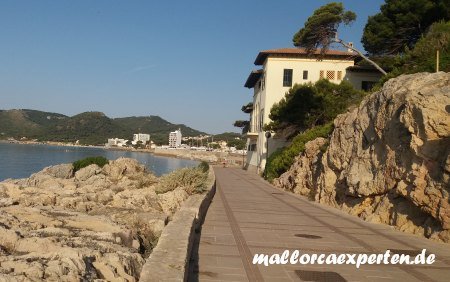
[281,69]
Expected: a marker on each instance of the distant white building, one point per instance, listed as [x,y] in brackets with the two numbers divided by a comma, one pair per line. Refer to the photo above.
[116,142]
[144,138]
[175,139]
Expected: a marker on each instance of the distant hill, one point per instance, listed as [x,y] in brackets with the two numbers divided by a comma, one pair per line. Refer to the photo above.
[15,123]
[89,127]
[226,136]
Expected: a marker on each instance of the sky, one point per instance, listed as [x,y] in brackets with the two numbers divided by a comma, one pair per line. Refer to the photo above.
[186,61]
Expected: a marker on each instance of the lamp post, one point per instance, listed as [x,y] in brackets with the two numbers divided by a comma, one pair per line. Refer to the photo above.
[268,135]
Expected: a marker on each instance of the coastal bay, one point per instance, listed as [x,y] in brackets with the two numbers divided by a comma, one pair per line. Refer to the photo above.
[21,160]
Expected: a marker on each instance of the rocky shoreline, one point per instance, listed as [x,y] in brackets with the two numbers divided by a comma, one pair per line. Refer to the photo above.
[96,223]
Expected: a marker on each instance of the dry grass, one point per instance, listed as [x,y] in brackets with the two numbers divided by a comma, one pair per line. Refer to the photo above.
[193,180]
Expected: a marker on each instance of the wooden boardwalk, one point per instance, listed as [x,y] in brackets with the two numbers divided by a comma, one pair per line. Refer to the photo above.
[248,216]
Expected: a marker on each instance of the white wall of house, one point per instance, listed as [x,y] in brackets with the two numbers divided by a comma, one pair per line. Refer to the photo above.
[274,68]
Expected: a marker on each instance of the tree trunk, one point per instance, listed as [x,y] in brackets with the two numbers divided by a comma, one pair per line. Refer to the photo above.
[361,54]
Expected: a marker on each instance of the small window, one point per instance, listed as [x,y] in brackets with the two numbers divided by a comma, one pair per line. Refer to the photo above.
[305,75]
[339,75]
[330,75]
[321,74]
[287,78]
[261,120]
[263,80]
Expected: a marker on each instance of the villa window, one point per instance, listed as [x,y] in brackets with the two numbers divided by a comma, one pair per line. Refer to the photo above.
[321,75]
[261,119]
[339,75]
[330,75]
[305,75]
[287,78]
[263,82]
[256,118]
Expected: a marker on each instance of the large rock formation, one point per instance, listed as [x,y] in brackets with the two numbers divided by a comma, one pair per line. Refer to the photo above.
[388,159]
[96,223]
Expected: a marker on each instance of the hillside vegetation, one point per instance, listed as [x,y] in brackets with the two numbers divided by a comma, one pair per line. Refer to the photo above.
[226,136]
[90,128]
[422,58]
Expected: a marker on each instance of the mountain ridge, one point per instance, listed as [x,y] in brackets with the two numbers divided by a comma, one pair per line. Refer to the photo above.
[90,128]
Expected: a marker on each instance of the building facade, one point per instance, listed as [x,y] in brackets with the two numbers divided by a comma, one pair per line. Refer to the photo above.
[175,139]
[144,138]
[116,142]
[280,70]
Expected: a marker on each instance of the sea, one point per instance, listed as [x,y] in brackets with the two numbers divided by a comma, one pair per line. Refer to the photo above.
[22,160]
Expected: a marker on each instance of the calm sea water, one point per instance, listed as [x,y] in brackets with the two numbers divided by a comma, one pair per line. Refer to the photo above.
[20,161]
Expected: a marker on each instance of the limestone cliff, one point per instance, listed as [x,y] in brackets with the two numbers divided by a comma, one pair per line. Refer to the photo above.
[388,159]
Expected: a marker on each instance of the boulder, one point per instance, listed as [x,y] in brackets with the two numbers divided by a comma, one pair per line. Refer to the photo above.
[301,178]
[87,172]
[172,200]
[63,171]
[122,167]
[388,159]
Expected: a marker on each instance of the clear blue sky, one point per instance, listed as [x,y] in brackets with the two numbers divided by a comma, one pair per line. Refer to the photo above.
[185,61]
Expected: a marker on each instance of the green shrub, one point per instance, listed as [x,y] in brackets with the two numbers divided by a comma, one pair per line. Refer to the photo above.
[239,144]
[204,166]
[282,159]
[309,105]
[100,161]
[193,180]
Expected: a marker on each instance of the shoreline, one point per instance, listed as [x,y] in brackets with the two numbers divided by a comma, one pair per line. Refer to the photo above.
[210,157]
[49,143]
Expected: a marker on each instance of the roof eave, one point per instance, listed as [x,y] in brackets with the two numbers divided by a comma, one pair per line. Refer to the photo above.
[253,77]
[262,56]
[259,61]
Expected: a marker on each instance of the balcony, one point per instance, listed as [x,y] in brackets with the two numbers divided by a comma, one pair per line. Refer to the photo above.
[247,108]
[252,135]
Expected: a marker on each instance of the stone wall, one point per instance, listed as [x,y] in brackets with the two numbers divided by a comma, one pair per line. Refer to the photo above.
[169,260]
